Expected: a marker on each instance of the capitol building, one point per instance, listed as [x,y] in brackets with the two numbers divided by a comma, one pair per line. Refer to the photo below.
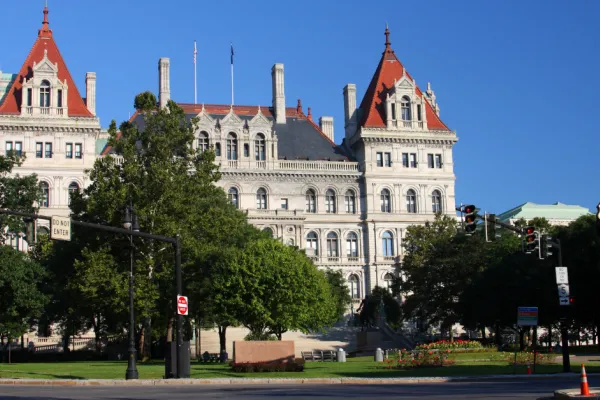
[348,204]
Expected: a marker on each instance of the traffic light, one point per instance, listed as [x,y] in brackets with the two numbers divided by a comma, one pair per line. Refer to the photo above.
[29,231]
[545,246]
[531,240]
[470,219]
[572,300]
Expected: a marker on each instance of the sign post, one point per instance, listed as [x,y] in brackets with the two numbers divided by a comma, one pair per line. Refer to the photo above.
[60,228]
[182,305]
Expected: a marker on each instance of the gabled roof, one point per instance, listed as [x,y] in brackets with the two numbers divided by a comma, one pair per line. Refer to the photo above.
[372,107]
[549,211]
[45,41]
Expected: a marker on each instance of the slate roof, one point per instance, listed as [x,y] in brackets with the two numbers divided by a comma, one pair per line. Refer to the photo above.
[298,138]
[45,41]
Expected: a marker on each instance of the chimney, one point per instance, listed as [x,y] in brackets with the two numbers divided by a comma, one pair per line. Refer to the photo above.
[90,92]
[164,82]
[350,109]
[326,125]
[278,93]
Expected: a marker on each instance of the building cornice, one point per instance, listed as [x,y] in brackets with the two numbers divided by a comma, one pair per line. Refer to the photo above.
[292,176]
[71,125]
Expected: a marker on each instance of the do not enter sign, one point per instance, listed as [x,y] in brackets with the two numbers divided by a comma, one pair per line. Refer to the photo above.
[182,305]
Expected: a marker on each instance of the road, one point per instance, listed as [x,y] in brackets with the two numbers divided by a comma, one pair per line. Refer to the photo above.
[517,389]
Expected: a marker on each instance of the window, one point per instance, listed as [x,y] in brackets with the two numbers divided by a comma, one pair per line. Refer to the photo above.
[232,195]
[385,201]
[436,201]
[232,146]
[405,160]
[380,159]
[261,199]
[29,97]
[311,201]
[411,201]
[332,244]
[393,111]
[77,150]
[352,245]
[284,204]
[259,147]
[39,148]
[69,150]
[387,244]
[354,286]
[312,242]
[45,200]
[246,150]
[48,152]
[419,117]
[413,160]
[330,201]
[387,159]
[388,280]
[268,231]
[59,99]
[45,94]
[203,141]
[290,242]
[430,160]
[19,148]
[73,188]
[350,202]
[438,161]
[405,104]
[218,149]
[9,147]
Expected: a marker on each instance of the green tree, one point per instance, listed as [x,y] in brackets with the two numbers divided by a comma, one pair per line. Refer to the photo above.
[339,292]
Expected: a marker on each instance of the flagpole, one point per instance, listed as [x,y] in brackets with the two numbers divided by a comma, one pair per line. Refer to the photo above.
[195,85]
[232,74]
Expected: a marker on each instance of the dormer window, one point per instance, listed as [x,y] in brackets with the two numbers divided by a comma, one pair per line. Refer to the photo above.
[419,115]
[394,111]
[29,97]
[59,102]
[45,94]
[405,106]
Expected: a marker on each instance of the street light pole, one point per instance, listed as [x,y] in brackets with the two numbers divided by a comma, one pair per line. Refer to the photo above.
[131,223]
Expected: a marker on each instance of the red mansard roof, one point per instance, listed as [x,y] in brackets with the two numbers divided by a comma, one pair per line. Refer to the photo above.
[373,106]
[45,41]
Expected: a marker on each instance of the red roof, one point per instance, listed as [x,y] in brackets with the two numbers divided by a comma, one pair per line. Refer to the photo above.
[45,41]
[373,106]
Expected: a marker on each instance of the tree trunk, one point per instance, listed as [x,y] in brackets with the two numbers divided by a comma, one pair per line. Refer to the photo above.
[450,333]
[197,344]
[498,337]
[521,339]
[170,329]
[222,342]
[141,343]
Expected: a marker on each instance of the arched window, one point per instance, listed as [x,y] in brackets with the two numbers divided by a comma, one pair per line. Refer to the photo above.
[261,199]
[388,280]
[290,242]
[411,201]
[203,141]
[332,244]
[232,146]
[45,94]
[330,201]
[268,231]
[387,244]
[352,245]
[73,188]
[350,202]
[436,201]
[45,199]
[312,242]
[354,286]
[405,106]
[259,147]
[218,149]
[42,230]
[386,201]
[311,201]
[233,196]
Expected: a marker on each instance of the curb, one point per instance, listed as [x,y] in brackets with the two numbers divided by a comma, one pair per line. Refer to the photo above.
[575,394]
[283,381]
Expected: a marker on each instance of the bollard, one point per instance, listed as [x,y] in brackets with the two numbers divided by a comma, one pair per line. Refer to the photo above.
[378,355]
[341,355]
[387,354]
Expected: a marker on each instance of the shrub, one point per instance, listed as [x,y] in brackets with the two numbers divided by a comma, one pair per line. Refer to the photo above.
[259,336]
[526,357]
[410,360]
[296,366]
[455,345]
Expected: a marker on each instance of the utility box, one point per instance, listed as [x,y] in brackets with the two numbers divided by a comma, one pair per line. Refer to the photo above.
[171,360]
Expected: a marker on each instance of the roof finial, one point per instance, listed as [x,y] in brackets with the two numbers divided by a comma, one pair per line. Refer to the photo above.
[309,114]
[299,107]
[45,31]
[387,36]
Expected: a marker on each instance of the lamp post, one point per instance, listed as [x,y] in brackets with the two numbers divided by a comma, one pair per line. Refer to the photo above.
[131,223]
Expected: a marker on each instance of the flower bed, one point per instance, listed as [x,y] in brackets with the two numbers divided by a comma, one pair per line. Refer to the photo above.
[411,360]
[296,366]
[456,346]
[526,357]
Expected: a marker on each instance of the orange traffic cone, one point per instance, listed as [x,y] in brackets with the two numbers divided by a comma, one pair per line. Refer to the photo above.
[585,389]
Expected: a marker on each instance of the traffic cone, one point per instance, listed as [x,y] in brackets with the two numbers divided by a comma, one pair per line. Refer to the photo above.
[528,369]
[585,389]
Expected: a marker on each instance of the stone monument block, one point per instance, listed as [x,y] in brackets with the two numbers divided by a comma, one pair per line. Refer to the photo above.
[255,351]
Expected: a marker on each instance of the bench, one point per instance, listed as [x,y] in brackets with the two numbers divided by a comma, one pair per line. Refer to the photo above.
[319,355]
[210,357]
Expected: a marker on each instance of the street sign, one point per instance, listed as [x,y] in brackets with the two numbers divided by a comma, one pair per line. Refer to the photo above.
[563,301]
[527,316]
[562,275]
[182,305]
[563,291]
[60,228]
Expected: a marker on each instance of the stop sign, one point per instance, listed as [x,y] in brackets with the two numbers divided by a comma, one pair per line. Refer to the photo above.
[182,305]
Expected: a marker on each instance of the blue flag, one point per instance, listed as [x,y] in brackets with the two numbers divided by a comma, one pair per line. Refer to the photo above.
[232,54]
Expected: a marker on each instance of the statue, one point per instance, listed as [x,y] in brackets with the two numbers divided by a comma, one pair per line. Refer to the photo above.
[365,314]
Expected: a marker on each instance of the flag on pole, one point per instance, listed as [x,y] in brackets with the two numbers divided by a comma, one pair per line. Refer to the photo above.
[195,52]
[231,53]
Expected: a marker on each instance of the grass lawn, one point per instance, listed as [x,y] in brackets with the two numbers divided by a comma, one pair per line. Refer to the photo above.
[362,367]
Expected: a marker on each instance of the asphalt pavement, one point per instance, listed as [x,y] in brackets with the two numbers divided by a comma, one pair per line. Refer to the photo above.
[517,389]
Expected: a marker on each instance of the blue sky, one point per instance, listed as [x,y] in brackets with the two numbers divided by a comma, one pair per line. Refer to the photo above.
[518,80]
